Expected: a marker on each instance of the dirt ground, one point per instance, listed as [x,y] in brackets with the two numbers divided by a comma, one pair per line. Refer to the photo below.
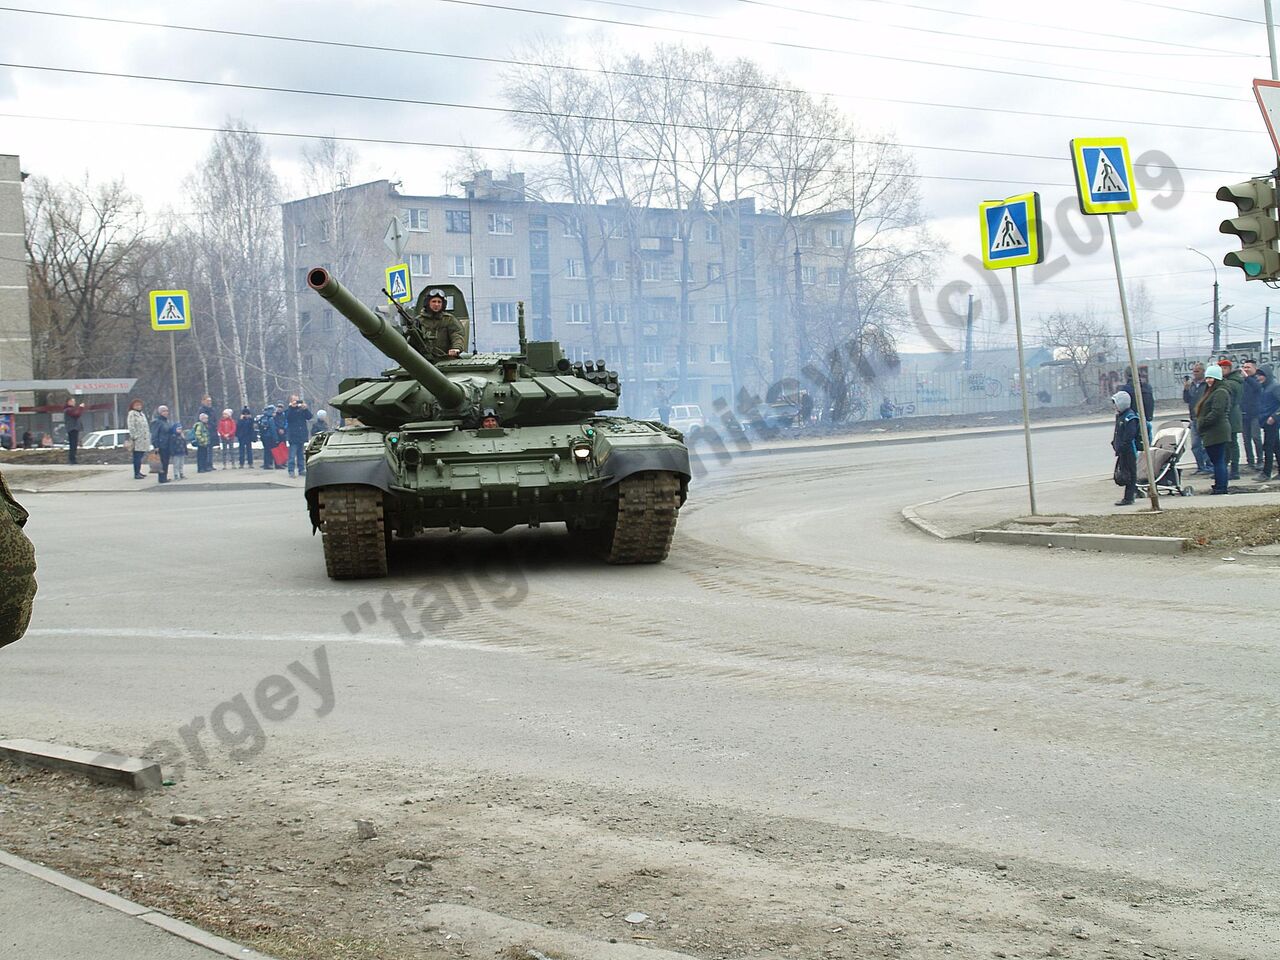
[290,876]
[59,455]
[1226,526]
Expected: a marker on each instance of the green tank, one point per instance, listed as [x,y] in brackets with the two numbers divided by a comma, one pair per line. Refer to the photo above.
[486,440]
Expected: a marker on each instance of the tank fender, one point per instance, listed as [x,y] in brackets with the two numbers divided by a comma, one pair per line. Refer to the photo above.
[622,462]
[371,472]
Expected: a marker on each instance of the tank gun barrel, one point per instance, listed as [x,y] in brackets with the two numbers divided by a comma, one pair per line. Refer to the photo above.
[386,338]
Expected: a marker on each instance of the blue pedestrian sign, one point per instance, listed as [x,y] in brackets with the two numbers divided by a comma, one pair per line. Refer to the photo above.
[1104,175]
[398,283]
[170,310]
[1011,231]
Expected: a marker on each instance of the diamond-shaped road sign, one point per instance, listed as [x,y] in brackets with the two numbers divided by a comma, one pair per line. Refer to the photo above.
[394,238]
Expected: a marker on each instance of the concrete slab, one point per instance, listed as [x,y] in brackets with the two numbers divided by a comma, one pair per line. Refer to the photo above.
[132,772]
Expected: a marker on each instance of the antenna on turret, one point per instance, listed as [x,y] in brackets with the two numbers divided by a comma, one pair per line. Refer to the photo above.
[520,321]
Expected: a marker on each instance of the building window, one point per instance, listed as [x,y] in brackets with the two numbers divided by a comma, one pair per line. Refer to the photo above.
[718,353]
[571,227]
[415,218]
[618,269]
[457,221]
[574,269]
[323,231]
[459,265]
[502,312]
[304,319]
[502,267]
[500,224]
[718,313]
[300,234]
[326,320]
[833,277]
[538,220]
[835,237]
[651,352]
[652,270]
[615,356]
[808,274]
[715,272]
[712,232]
[577,313]
[613,313]
[806,237]
[420,264]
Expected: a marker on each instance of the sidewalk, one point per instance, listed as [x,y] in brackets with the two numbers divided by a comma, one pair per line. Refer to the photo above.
[118,478]
[49,916]
[959,514]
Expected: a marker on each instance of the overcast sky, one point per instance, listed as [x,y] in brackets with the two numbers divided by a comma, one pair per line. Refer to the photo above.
[1171,77]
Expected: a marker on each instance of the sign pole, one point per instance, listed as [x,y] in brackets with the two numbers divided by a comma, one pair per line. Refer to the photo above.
[1022,378]
[1152,493]
[173,367]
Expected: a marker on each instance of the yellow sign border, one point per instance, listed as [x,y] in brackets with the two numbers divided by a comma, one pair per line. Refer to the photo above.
[408,283]
[1034,253]
[1087,206]
[155,296]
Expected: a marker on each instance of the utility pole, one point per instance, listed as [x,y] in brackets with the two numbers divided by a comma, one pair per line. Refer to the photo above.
[968,336]
[1217,325]
[1157,344]
[1266,330]
[1271,39]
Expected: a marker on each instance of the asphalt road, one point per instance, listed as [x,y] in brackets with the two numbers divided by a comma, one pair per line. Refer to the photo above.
[803,652]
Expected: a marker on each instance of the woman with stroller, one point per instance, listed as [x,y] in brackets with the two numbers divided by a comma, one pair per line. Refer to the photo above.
[1213,423]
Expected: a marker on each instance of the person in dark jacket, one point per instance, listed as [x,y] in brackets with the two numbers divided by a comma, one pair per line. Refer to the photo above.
[1233,380]
[1124,441]
[178,451]
[280,429]
[246,432]
[267,433]
[204,455]
[71,414]
[1269,420]
[296,417]
[1213,420]
[160,430]
[322,423]
[1148,399]
[1193,389]
[1249,414]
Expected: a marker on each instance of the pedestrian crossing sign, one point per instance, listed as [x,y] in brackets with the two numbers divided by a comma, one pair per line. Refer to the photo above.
[170,310]
[398,284]
[1011,231]
[1104,175]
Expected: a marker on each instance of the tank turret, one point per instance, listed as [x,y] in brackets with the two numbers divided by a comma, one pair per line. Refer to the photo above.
[387,339]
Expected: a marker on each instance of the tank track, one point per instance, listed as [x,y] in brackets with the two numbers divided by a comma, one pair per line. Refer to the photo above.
[648,505]
[354,533]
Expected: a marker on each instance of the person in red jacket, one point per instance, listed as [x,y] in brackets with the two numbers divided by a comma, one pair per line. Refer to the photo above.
[226,435]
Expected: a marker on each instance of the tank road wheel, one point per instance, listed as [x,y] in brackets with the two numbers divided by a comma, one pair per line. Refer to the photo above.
[647,507]
[353,531]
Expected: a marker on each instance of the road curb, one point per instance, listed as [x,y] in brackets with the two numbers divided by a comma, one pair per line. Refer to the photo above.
[1099,542]
[110,768]
[911,515]
[179,928]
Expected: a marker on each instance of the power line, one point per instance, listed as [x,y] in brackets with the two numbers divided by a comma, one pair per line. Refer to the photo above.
[304,91]
[989,39]
[507,62]
[1199,13]
[791,45]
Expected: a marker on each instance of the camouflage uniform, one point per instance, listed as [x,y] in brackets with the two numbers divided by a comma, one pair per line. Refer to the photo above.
[434,334]
[17,569]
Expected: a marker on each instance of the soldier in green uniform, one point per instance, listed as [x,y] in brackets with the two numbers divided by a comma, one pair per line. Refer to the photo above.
[433,333]
[17,569]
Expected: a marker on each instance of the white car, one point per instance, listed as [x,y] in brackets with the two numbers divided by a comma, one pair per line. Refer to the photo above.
[684,417]
[105,440]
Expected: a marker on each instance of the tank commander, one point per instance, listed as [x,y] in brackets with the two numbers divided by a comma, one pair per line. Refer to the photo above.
[435,334]
[489,419]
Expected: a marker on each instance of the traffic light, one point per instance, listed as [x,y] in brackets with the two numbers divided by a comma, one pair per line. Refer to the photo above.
[1255,202]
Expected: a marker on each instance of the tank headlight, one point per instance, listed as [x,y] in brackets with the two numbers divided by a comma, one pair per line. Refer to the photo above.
[582,452]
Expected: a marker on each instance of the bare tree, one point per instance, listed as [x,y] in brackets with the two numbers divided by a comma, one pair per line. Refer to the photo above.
[1080,341]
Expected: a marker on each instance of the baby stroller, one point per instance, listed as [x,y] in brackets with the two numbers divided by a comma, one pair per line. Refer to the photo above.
[1168,447]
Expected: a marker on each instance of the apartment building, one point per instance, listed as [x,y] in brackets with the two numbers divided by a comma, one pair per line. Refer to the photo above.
[694,304]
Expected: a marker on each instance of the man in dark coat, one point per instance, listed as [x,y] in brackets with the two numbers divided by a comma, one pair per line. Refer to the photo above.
[1124,441]
[297,431]
[71,414]
[1269,419]
[1249,414]
[246,432]
[204,455]
[267,433]
[1193,388]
